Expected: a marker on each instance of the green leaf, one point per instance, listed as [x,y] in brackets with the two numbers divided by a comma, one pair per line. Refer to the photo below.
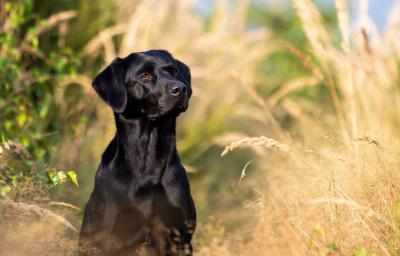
[320,230]
[8,6]
[73,177]
[43,110]
[57,177]
[363,252]
[53,177]
[4,190]
[310,243]
[35,43]
[61,64]
[21,119]
[24,140]
[28,164]
[5,141]
[332,246]
[397,209]
[8,125]
[39,153]
[14,179]
[62,176]
[28,4]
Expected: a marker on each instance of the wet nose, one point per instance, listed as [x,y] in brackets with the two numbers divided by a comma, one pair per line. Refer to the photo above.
[177,90]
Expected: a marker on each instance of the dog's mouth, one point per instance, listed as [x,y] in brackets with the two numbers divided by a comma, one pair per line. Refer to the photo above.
[169,108]
[182,104]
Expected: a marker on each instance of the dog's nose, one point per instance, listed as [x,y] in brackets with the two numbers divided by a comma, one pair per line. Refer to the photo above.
[177,90]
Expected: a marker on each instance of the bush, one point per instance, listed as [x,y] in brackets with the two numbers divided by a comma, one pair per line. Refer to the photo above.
[33,101]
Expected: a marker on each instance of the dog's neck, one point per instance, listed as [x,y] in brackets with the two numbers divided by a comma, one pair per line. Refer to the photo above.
[146,147]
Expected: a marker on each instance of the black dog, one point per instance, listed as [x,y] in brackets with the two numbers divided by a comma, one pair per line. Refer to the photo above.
[141,200]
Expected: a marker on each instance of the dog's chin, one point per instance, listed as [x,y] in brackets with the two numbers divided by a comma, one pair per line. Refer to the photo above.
[175,111]
[179,108]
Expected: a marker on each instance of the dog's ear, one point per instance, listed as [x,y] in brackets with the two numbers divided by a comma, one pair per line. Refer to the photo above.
[185,74]
[110,85]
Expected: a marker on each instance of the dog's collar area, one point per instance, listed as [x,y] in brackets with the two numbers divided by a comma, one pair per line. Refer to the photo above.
[152,119]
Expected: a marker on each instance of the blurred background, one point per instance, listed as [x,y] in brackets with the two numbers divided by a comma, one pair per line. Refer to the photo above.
[291,140]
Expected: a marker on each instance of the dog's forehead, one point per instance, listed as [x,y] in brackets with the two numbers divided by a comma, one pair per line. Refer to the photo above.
[155,57]
[157,54]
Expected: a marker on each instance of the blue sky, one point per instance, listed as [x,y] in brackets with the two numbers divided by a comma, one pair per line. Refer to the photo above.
[378,9]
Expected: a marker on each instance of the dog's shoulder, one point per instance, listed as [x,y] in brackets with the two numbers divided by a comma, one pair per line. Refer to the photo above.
[110,152]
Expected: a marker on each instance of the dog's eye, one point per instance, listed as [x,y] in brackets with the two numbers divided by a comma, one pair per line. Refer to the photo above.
[173,71]
[145,77]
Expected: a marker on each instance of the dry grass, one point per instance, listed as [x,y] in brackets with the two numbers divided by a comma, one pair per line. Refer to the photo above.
[28,229]
[256,141]
[336,194]
[324,201]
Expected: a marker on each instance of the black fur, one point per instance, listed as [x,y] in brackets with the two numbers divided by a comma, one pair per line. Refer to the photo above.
[141,200]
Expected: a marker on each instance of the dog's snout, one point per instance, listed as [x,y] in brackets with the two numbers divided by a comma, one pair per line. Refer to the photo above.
[177,90]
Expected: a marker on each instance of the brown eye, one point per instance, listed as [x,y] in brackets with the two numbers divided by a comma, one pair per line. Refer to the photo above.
[174,71]
[145,77]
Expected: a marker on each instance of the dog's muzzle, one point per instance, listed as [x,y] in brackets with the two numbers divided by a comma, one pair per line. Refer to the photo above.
[178,90]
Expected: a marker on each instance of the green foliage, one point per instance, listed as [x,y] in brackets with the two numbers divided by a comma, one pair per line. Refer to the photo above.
[59,177]
[95,17]
[30,80]
[21,177]
[319,235]
[31,114]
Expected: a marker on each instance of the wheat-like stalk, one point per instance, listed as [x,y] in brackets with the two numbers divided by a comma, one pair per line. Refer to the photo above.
[256,141]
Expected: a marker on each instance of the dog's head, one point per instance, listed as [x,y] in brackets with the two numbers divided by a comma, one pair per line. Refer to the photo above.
[150,84]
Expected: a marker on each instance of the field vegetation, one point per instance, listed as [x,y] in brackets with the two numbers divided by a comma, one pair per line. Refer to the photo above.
[291,140]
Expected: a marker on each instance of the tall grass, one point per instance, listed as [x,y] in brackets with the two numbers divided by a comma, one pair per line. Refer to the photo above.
[335,192]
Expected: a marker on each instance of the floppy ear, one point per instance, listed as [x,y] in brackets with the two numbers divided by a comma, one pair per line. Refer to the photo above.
[110,85]
[185,74]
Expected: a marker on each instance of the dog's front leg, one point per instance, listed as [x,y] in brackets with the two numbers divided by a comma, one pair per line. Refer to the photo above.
[182,224]
[97,225]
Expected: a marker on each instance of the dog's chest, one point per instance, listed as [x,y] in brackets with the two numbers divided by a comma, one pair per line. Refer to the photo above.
[148,210]
[151,201]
